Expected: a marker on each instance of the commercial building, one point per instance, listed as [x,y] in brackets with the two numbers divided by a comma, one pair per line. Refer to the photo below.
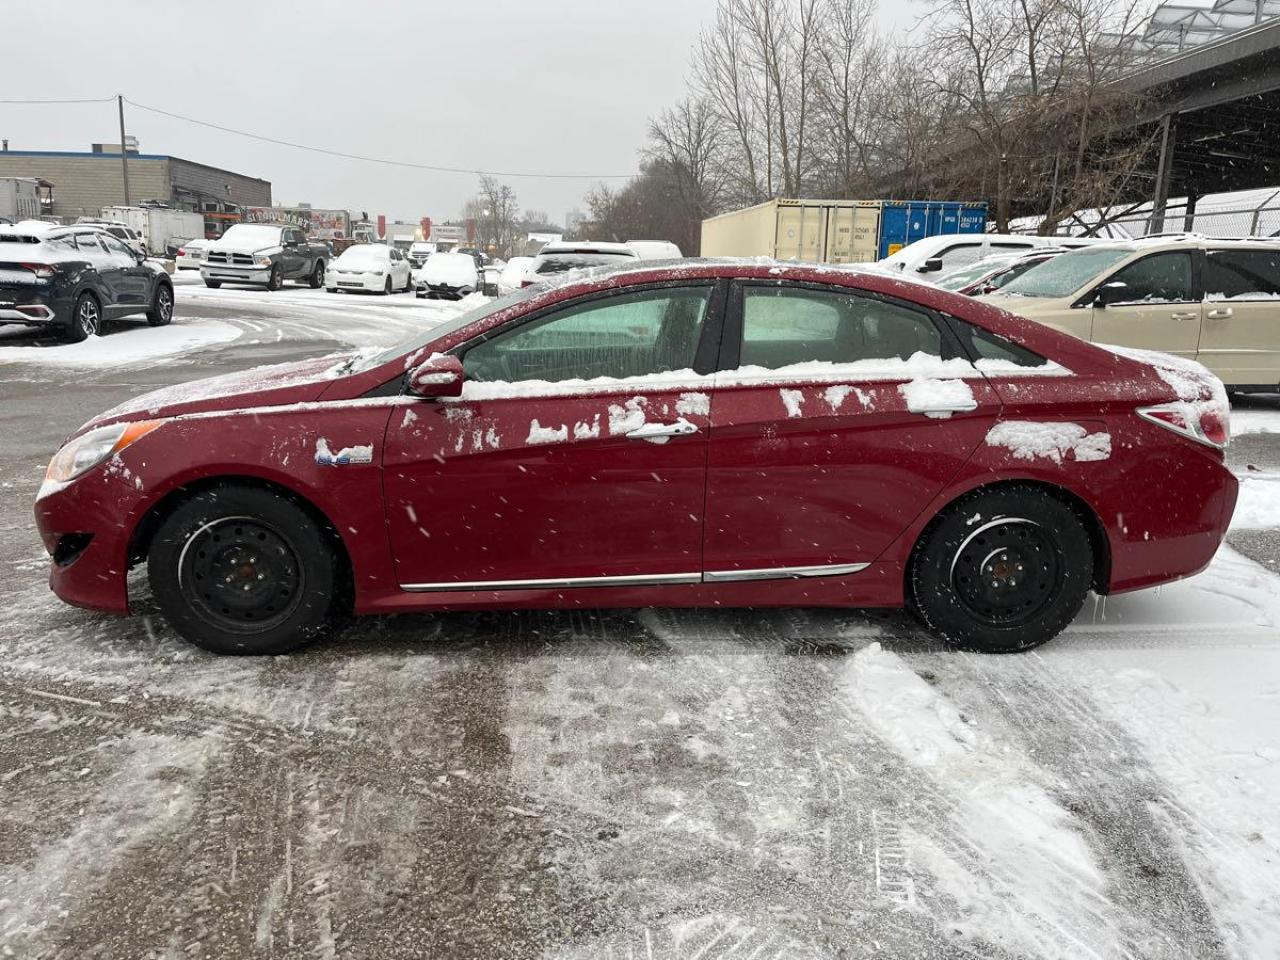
[84,183]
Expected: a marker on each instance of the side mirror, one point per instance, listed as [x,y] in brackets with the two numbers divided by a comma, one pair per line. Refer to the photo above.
[1114,292]
[439,376]
[931,265]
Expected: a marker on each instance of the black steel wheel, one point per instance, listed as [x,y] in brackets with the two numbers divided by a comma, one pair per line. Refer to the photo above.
[243,571]
[86,319]
[161,311]
[275,279]
[1001,570]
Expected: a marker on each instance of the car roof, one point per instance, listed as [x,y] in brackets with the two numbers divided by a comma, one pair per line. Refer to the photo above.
[589,246]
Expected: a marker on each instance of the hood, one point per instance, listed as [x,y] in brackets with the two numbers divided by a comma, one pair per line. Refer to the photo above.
[302,381]
[229,246]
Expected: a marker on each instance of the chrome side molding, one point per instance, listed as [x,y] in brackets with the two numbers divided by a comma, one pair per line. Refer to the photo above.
[783,573]
[643,580]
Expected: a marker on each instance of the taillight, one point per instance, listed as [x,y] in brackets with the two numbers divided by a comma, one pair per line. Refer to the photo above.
[182,253]
[1201,421]
[41,270]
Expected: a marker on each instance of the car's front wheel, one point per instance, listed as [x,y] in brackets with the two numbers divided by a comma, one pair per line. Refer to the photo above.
[86,319]
[161,311]
[1002,570]
[241,570]
[275,279]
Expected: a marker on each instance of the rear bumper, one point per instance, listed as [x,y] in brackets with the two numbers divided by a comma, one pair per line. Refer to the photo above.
[36,305]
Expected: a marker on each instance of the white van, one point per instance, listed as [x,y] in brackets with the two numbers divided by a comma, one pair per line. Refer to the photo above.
[947,251]
[655,249]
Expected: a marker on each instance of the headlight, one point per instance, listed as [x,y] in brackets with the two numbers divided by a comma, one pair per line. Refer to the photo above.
[262,261]
[87,451]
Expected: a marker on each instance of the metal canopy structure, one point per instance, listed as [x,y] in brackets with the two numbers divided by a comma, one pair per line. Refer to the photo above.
[1218,110]
[1179,25]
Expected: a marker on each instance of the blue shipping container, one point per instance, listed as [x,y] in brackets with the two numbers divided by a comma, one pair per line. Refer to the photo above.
[906,221]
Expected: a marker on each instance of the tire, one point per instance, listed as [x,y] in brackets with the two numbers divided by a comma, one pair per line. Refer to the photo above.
[213,284]
[161,311]
[408,283]
[275,280]
[317,276]
[1001,571]
[240,537]
[86,319]
[386,287]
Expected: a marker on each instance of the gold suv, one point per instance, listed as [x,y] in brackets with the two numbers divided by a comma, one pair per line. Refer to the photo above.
[1212,300]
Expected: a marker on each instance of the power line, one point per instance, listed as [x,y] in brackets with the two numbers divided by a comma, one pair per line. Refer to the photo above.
[88,100]
[392,163]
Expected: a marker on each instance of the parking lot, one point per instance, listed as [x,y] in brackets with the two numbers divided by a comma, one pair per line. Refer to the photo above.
[619,784]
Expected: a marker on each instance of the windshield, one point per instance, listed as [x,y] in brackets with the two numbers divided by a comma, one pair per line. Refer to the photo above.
[1064,275]
[564,262]
[963,276]
[449,326]
[369,254]
[256,233]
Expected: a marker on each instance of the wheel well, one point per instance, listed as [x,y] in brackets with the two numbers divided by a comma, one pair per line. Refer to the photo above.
[144,533]
[1088,516]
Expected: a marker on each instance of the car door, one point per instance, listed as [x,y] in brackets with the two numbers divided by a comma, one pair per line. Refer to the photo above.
[1240,335]
[837,417]
[134,280]
[543,472]
[108,267]
[1159,309]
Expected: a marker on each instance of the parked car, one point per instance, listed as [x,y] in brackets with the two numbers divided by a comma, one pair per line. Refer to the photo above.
[73,281]
[370,266]
[419,251]
[989,275]
[557,258]
[946,252]
[716,435]
[450,276]
[655,249]
[1211,300]
[264,254]
[118,229]
[191,254]
[512,276]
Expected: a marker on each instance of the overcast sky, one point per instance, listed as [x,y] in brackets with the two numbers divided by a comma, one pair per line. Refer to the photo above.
[540,86]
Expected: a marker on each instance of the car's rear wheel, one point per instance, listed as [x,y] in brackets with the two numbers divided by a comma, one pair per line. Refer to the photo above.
[1002,570]
[275,279]
[317,276]
[161,311]
[86,319]
[213,284]
[240,570]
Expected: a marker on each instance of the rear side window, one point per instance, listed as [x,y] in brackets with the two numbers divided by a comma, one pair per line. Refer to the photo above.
[787,325]
[1159,278]
[1242,275]
[985,345]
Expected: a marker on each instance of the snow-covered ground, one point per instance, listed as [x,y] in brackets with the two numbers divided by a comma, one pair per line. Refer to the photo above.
[647,784]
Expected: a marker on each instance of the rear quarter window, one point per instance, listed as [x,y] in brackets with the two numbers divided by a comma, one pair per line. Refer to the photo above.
[1242,275]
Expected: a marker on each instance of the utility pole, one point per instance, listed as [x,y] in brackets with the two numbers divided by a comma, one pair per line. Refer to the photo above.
[124,153]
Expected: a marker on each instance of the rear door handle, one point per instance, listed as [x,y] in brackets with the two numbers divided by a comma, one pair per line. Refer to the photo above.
[1220,313]
[1185,316]
[659,432]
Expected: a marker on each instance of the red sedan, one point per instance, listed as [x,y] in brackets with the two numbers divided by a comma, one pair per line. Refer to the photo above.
[716,434]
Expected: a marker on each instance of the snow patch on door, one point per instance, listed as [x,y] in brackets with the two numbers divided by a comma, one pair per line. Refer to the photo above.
[793,400]
[937,398]
[1027,440]
[325,456]
[628,417]
[540,434]
[694,404]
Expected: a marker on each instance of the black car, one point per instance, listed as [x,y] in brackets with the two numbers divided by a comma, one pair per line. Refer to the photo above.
[74,280]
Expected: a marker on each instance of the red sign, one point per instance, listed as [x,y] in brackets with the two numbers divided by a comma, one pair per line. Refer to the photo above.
[426,228]
[382,225]
[471,231]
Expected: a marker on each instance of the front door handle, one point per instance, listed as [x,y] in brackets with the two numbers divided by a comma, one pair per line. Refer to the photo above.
[659,432]
[1220,313]
[1185,316]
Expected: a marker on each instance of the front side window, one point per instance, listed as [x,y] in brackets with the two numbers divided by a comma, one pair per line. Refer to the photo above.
[623,335]
[1242,275]
[1160,278]
[782,326]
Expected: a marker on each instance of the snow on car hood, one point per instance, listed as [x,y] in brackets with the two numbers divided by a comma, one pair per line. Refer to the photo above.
[299,382]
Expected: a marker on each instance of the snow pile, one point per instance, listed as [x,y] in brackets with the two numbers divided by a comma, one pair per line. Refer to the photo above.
[1012,824]
[125,347]
[937,398]
[1258,507]
[1028,439]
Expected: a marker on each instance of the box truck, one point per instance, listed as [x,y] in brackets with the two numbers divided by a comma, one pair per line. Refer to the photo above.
[835,231]
[162,229]
[19,199]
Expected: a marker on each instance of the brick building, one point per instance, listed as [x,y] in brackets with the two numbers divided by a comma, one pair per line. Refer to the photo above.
[84,183]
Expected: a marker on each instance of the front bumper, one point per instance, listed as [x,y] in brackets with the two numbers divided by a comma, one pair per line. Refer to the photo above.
[235,274]
[85,527]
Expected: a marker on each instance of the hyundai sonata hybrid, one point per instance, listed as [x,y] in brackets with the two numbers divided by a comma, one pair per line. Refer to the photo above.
[702,435]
